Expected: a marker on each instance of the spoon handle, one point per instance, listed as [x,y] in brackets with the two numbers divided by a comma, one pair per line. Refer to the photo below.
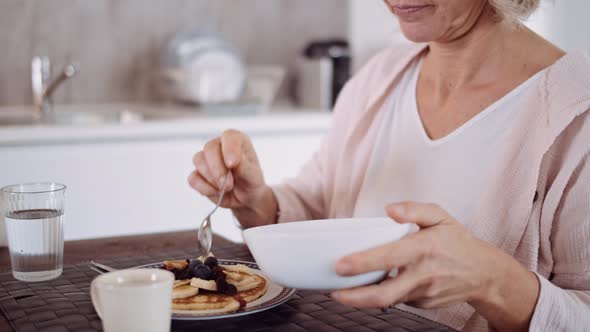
[222,191]
[205,233]
[220,197]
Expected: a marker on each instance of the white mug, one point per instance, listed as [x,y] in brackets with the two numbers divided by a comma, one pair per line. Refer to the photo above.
[134,300]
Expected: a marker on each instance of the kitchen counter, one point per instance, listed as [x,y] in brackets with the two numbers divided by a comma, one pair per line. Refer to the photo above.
[131,177]
[165,126]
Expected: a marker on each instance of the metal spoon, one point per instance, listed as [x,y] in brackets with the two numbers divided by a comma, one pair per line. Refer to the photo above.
[205,232]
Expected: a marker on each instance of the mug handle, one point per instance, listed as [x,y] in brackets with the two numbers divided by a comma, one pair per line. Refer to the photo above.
[94,298]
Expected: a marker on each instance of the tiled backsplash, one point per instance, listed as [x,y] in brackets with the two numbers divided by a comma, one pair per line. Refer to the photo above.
[117,42]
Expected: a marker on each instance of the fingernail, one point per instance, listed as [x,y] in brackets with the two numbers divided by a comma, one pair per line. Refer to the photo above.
[397,208]
[230,159]
[344,268]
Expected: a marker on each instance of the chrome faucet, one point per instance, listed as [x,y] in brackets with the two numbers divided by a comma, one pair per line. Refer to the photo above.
[43,88]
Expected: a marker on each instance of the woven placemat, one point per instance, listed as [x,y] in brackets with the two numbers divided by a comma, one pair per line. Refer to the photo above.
[64,304]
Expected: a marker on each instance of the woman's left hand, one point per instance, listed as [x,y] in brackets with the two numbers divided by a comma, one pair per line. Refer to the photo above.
[440,265]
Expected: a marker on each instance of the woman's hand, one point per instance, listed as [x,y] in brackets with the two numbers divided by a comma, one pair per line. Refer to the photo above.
[440,265]
[247,194]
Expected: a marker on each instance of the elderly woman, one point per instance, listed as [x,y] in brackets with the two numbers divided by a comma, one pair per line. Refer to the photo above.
[480,135]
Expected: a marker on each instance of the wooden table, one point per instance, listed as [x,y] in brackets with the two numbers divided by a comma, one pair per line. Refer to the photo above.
[99,249]
[301,314]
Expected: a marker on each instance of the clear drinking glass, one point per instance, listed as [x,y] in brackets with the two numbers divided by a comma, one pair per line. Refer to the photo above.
[34,217]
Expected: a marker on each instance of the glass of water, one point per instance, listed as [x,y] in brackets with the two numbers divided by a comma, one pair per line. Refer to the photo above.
[34,217]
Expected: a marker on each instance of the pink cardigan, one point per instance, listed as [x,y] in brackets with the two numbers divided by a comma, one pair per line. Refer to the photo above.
[537,207]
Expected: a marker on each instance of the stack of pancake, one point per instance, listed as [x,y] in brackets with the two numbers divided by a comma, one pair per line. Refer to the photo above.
[198,296]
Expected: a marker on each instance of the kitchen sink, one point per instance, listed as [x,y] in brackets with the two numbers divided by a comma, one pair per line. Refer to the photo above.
[93,115]
[113,114]
[69,118]
[94,118]
[16,119]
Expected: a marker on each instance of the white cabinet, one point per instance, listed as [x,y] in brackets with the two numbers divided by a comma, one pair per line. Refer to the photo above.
[137,184]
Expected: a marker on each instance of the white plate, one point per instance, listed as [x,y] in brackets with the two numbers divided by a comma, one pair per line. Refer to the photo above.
[274,296]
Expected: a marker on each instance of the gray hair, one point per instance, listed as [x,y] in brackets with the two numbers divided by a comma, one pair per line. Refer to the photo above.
[514,10]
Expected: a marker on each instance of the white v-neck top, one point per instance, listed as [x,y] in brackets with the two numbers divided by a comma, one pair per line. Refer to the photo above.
[537,208]
[406,165]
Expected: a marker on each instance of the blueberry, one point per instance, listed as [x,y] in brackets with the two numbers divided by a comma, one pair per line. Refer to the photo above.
[211,261]
[203,272]
[181,274]
[194,264]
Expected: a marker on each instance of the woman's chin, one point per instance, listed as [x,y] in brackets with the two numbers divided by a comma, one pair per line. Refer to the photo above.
[418,33]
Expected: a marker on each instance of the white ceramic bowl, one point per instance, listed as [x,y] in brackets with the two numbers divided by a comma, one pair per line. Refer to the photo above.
[304,254]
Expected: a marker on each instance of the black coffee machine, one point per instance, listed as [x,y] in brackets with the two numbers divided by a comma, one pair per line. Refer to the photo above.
[337,52]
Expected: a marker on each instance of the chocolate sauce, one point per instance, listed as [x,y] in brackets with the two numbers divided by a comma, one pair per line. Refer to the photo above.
[241,300]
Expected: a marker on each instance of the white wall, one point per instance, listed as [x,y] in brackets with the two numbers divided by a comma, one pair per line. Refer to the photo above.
[371,28]
[566,23]
[118,43]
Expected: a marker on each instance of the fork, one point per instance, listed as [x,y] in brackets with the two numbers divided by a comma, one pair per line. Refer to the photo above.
[100,268]
[205,236]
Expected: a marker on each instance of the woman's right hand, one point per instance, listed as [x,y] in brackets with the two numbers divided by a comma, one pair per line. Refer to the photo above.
[251,200]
